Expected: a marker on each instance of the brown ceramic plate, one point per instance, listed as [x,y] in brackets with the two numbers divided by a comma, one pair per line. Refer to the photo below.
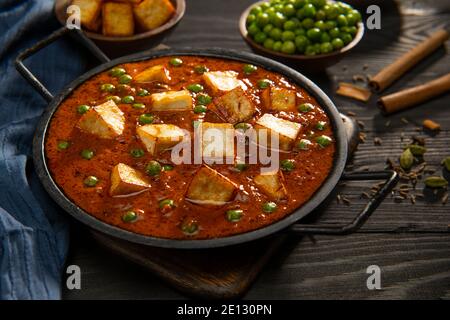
[317,62]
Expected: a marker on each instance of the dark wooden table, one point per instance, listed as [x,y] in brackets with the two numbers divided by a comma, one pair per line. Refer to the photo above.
[410,243]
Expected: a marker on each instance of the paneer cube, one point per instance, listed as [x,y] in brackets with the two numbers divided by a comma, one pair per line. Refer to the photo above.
[287,131]
[235,106]
[159,137]
[151,14]
[221,81]
[279,99]
[153,74]
[209,187]
[90,11]
[106,120]
[125,181]
[118,19]
[271,184]
[172,101]
[217,142]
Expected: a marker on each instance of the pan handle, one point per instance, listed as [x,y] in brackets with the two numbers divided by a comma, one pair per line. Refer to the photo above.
[31,78]
[391,178]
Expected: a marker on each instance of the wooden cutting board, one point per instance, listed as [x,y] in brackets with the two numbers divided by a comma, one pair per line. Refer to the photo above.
[220,273]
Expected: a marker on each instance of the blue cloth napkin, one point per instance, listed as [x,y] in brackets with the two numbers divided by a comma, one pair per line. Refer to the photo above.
[34,233]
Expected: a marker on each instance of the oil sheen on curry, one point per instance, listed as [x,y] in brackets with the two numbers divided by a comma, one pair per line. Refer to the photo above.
[109,147]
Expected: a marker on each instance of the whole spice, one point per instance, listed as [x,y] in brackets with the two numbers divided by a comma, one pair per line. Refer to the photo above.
[406,159]
[436,182]
[431,125]
[416,149]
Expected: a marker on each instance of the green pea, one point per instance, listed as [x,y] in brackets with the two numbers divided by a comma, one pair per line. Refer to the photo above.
[176,62]
[204,99]
[137,153]
[332,11]
[289,10]
[301,42]
[63,145]
[167,167]
[314,34]
[346,38]
[308,23]
[342,20]
[352,31]
[277,46]
[242,126]
[287,165]
[288,47]
[250,19]
[304,144]
[269,207]
[129,216]
[305,107]
[334,33]
[321,125]
[260,37]
[116,72]
[200,109]
[278,19]
[290,25]
[153,168]
[300,32]
[240,166]
[309,11]
[82,109]
[323,141]
[268,43]
[87,154]
[318,3]
[138,106]
[330,24]
[146,118]
[196,87]
[128,99]
[256,10]
[201,69]
[142,92]
[166,203]
[262,19]
[234,215]
[107,87]
[321,15]
[310,50]
[253,29]
[320,25]
[91,181]
[263,83]
[125,79]
[351,19]
[288,36]
[116,99]
[275,34]
[357,15]
[189,227]
[326,47]
[249,69]
[337,43]
[267,28]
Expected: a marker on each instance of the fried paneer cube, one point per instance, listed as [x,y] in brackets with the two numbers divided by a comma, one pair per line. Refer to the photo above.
[105,121]
[151,14]
[271,184]
[287,131]
[118,19]
[217,142]
[279,99]
[235,106]
[221,81]
[125,180]
[210,187]
[172,101]
[90,11]
[159,137]
[157,73]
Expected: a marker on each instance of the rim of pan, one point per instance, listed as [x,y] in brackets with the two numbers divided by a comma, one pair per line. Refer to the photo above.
[70,207]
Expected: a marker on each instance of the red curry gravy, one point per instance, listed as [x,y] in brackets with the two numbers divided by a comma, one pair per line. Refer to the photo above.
[69,169]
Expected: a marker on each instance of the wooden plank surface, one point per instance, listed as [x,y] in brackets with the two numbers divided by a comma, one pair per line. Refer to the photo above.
[413,265]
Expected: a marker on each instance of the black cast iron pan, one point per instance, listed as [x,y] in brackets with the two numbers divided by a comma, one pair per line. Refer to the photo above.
[336,174]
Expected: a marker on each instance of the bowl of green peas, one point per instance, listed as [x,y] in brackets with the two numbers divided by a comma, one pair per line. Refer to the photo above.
[312,33]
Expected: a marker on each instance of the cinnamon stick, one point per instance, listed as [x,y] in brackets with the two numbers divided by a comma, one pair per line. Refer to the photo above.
[412,96]
[395,70]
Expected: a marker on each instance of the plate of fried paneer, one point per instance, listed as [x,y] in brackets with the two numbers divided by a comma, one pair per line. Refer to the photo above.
[123,19]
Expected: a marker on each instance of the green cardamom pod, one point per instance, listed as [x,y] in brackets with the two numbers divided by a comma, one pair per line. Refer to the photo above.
[436,182]
[446,163]
[416,149]
[406,159]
